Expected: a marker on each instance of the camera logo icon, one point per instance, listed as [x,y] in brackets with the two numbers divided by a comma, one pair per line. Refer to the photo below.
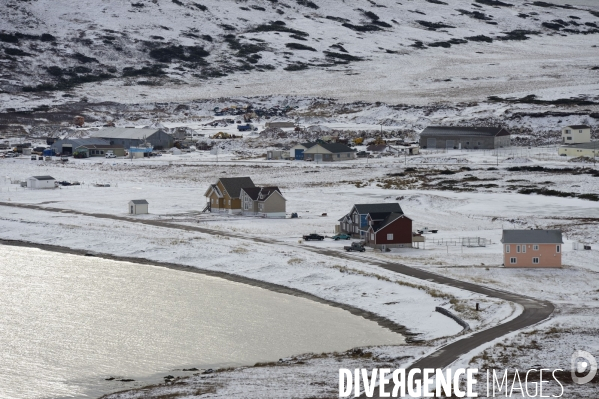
[583,362]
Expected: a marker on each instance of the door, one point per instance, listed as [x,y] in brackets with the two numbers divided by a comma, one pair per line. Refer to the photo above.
[431,143]
[131,209]
[299,155]
[318,157]
[449,144]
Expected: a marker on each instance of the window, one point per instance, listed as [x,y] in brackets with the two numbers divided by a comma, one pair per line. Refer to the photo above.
[338,155]
[478,143]
[513,261]
[467,143]
[518,248]
[580,131]
[389,236]
[535,247]
[557,249]
[535,261]
[523,249]
[229,202]
[569,138]
[568,131]
[507,249]
[372,236]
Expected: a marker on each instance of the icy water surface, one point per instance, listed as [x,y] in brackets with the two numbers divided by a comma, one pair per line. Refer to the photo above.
[69,322]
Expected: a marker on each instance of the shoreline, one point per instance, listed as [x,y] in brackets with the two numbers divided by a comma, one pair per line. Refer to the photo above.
[381,321]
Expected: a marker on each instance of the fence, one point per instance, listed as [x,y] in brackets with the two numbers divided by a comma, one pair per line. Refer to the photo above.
[474,242]
[464,241]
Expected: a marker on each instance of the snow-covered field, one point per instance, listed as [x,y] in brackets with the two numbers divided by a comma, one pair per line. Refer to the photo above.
[174,187]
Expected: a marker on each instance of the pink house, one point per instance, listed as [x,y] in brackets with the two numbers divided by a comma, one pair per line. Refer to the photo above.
[532,248]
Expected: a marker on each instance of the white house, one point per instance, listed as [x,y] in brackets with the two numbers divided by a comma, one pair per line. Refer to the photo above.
[329,152]
[297,151]
[38,182]
[138,207]
[576,134]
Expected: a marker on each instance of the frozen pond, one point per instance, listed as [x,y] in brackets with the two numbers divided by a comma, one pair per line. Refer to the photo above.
[69,322]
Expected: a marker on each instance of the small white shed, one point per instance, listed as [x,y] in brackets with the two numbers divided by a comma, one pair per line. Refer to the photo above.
[138,207]
[39,182]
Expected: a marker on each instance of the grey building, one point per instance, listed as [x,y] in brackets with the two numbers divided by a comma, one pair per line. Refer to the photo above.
[356,223]
[68,146]
[132,137]
[463,137]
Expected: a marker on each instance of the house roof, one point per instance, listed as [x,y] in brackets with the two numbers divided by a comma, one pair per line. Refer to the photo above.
[100,146]
[46,177]
[378,215]
[579,126]
[260,193]
[233,185]
[532,237]
[266,192]
[391,217]
[213,187]
[125,133]
[336,148]
[252,192]
[139,202]
[364,209]
[308,145]
[593,145]
[80,142]
[488,131]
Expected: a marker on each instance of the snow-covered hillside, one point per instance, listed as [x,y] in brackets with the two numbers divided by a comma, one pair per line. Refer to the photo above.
[409,51]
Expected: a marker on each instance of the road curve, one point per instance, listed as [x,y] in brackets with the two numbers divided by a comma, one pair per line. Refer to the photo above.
[534,310]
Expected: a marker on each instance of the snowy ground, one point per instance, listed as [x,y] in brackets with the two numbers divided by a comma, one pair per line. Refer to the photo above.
[174,187]
[551,63]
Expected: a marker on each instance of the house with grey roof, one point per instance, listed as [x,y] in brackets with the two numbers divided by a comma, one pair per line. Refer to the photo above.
[133,137]
[263,201]
[464,137]
[138,207]
[576,134]
[589,150]
[41,182]
[532,248]
[329,152]
[225,194]
[356,222]
[297,151]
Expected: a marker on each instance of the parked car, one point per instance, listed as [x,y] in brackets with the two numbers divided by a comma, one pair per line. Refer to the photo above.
[313,237]
[110,155]
[34,157]
[355,246]
[341,237]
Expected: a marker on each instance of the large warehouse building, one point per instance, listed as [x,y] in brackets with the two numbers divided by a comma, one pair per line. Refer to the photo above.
[462,137]
[132,137]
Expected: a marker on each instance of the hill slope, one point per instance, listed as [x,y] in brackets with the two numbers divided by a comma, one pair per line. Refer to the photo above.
[417,50]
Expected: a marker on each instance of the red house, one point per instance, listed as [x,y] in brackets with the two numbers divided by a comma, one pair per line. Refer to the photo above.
[389,230]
